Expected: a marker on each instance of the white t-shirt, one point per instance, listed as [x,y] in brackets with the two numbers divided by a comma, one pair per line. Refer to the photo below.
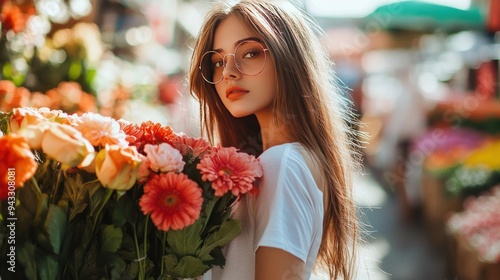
[287,214]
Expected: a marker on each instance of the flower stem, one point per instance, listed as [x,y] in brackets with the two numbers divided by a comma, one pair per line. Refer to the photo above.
[55,189]
[107,196]
[35,186]
[163,250]
[139,257]
[143,260]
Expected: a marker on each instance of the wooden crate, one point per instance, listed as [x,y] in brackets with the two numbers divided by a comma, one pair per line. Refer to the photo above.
[437,205]
[467,264]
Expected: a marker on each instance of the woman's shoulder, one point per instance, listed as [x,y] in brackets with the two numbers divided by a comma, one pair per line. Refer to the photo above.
[283,158]
[291,158]
[280,152]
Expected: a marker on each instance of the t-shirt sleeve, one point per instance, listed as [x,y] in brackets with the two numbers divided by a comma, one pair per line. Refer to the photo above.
[284,210]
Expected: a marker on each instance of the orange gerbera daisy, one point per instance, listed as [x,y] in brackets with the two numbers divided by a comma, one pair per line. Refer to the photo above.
[173,200]
[229,170]
[132,130]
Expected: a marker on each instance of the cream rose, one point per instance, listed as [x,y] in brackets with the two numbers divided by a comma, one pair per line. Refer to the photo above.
[34,134]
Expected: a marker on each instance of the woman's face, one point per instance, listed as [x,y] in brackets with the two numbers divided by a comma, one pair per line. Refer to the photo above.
[241,94]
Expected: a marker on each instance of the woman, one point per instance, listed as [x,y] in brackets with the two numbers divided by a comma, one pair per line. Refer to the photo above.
[265,86]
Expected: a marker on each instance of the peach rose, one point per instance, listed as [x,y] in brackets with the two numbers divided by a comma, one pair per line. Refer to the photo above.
[24,116]
[17,165]
[67,145]
[117,167]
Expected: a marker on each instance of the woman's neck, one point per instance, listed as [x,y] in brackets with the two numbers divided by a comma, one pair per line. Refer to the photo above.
[271,134]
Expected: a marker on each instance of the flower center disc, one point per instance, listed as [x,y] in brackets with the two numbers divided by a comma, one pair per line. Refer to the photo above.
[171,200]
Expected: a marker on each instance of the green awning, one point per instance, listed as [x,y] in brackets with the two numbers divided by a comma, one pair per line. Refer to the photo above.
[424,16]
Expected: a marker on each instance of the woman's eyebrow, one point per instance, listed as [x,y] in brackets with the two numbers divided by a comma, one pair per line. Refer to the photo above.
[241,40]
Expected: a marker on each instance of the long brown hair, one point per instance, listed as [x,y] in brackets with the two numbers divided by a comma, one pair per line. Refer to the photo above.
[308,107]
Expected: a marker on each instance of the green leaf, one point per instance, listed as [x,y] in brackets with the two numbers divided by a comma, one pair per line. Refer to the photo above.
[41,208]
[229,230]
[207,211]
[97,195]
[48,267]
[4,121]
[128,244]
[26,211]
[79,208]
[111,238]
[218,258]
[118,267]
[189,267]
[55,226]
[126,208]
[132,270]
[83,237]
[117,214]
[89,267]
[25,253]
[187,240]
[112,263]
[170,262]
[77,193]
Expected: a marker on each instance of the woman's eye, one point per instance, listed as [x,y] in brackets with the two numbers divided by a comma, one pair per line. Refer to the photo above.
[218,64]
[250,54]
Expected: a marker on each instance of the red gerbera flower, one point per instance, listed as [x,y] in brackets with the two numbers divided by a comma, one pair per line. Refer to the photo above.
[229,170]
[154,134]
[173,200]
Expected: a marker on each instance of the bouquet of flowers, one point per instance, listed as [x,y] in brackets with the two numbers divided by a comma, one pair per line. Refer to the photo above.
[90,197]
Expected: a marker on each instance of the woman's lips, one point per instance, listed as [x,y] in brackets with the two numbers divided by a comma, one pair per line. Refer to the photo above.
[235,91]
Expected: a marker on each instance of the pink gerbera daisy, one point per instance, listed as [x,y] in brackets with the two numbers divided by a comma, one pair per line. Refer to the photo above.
[173,200]
[188,145]
[229,170]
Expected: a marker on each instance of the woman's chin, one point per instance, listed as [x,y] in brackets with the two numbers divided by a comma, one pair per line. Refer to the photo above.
[240,113]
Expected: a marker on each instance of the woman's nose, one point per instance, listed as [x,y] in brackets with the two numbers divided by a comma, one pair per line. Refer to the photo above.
[230,69]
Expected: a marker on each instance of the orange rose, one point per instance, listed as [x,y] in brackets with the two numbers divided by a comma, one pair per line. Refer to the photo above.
[17,165]
[67,145]
[117,167]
